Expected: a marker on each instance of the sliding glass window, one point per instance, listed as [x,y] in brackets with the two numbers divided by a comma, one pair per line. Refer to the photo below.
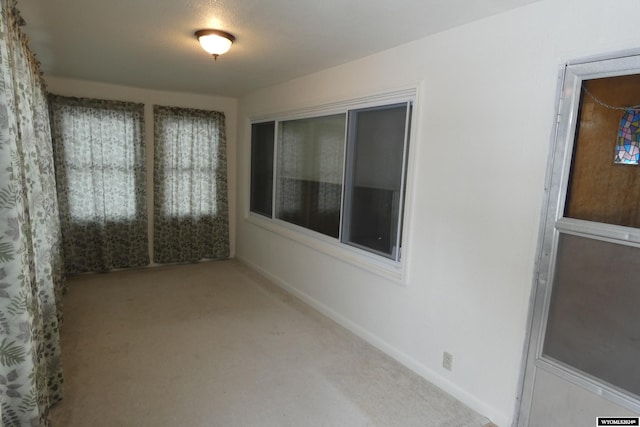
[377,143]
[358,200]
[309,173]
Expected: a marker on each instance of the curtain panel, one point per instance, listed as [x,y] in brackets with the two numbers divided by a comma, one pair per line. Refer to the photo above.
[190,185]
[31,277]
[100,161]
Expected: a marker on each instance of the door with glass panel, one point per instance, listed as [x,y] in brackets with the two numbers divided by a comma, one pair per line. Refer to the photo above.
[583,358]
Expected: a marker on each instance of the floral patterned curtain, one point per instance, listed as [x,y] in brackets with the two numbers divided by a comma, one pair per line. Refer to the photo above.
[101,180]
[190,185]
[31,279]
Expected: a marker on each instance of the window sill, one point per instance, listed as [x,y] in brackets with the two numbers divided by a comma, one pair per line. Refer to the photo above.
[364,260]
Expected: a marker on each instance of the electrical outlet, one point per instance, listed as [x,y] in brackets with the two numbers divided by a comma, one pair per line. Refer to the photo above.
[447,361]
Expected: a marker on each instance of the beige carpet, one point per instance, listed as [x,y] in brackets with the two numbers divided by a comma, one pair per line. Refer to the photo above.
[214,344]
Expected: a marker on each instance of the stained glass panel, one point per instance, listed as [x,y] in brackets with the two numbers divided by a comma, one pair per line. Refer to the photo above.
[628,147]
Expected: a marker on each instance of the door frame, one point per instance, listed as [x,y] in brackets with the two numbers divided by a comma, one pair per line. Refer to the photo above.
[570,78]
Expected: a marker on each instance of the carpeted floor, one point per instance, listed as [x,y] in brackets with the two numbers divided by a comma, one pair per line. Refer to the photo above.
[215,344]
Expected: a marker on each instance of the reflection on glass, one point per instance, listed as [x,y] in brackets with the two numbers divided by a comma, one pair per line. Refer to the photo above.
[374,185]
[309,173]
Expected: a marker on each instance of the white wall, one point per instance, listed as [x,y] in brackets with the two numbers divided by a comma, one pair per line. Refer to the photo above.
[81,88]
[484,119]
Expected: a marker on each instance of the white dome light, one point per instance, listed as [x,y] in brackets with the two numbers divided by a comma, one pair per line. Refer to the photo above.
[215,42]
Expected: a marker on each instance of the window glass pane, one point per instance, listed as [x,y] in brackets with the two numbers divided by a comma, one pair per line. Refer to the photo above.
[594,321]
[309,173]
[375,178]
[262,139]
[604,184]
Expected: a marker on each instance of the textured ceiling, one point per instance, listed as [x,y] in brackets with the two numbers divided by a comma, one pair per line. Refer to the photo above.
[150,43]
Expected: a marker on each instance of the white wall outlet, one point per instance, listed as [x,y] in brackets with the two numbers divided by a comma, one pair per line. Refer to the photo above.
[447,361]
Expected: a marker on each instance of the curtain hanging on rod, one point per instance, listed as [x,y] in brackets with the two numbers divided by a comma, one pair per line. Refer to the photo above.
[31,278]
[191,220]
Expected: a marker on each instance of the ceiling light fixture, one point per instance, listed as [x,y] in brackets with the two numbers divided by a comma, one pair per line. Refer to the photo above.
[215,42]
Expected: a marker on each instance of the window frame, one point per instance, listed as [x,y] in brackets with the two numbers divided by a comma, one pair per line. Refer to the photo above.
[391,269]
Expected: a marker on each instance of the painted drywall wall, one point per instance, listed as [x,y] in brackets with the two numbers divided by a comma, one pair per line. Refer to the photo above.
[81,88]
[483,122]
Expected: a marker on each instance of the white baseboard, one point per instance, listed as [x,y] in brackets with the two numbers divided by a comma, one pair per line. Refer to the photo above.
[468,399]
